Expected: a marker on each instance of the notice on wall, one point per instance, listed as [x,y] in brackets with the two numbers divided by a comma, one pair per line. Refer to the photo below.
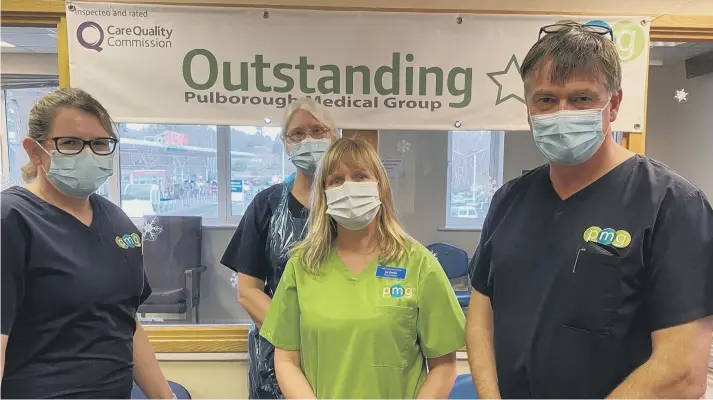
[394,168]
[242,66]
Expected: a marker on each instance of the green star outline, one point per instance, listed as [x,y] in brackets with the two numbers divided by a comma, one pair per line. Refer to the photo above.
[492,75]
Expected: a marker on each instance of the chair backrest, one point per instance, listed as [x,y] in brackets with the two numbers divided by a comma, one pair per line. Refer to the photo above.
[175,248]
[453,260]
[463,388]
[179,390]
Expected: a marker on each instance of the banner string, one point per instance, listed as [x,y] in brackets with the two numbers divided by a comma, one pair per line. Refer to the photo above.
[672,9]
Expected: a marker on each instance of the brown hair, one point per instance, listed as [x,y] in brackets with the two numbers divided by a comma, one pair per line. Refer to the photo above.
[575,50]
[43,113]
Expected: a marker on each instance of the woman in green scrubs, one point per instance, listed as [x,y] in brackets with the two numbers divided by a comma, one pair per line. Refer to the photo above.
[362,310]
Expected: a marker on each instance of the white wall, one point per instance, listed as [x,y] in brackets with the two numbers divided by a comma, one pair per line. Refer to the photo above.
[681,134]
[28,63]
[426,162]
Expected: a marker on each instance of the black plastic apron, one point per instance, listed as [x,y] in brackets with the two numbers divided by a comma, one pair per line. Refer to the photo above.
[284,230]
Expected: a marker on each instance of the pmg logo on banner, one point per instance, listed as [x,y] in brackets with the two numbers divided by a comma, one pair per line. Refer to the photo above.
[93,36]
[628,36]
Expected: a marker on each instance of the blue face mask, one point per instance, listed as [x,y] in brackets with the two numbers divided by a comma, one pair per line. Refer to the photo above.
[307,154]
[569,137]
[79,175]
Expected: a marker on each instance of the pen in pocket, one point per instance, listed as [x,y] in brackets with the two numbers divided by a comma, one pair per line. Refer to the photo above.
[574,267]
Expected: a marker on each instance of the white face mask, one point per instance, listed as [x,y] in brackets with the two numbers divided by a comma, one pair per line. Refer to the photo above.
[353,204]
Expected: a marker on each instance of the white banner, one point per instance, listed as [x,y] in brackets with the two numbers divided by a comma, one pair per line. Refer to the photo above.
[391,70]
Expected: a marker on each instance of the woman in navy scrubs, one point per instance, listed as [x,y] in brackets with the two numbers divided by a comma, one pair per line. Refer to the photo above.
[273,221]
[72,271]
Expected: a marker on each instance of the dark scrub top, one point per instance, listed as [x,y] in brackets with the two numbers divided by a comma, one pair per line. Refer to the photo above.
[247,252]
[578,286]
[69,298]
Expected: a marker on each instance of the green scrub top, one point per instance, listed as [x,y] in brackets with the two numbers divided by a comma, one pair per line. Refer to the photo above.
[366,335]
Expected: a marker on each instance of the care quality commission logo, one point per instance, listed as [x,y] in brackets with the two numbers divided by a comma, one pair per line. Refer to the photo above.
[90,35]
[93,36]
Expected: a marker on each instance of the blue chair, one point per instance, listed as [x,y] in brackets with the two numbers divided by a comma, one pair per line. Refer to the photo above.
[463,388]
[177,389]
[455,263]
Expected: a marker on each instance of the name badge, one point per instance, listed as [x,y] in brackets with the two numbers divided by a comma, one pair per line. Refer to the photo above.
[390,272]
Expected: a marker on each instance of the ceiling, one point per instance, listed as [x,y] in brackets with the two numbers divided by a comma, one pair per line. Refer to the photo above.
[672,53]
[28,40]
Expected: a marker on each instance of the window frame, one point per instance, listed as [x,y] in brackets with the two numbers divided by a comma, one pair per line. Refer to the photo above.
[223,165]
[4,148]
[223,161]
[222,133]
[497,150]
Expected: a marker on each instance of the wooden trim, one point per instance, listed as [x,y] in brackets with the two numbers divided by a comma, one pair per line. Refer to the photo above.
[198,338]
[29,20]
[33,7]
[386,7]
[636,141]
[62,53]
[682,28]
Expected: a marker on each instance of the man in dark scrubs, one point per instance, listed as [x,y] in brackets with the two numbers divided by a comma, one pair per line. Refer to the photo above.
[593,273]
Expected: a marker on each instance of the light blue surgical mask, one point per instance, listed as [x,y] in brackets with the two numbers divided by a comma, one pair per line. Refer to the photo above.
[79,175]
[307,154]
[569,137]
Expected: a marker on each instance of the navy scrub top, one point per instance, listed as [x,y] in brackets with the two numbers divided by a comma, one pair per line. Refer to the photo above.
[577,286]
[70,293]
[247,251]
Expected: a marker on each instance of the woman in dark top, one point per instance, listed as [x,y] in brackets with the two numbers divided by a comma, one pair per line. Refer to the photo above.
[72,271]
[273,221]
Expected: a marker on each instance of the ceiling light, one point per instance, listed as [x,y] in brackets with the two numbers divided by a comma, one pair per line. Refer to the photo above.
[4,44]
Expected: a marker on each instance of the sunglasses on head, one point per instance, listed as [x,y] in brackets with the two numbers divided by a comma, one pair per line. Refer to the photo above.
[554,28]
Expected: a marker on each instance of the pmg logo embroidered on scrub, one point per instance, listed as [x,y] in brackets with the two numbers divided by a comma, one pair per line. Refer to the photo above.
[607,236]
[128,241]
[397,291]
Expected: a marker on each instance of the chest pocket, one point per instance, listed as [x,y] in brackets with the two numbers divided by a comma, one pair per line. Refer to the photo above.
[125,268]
[393,335]
[594,288]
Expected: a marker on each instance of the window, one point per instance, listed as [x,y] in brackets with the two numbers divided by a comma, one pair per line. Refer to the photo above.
[257,161]
[474,174]
[168,170]
[17,105]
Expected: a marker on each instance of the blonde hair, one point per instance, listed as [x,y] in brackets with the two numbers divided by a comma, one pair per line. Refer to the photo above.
[318,111]
[317,244]
[42,115]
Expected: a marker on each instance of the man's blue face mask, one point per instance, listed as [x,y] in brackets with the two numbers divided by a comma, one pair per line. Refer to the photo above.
[569,137]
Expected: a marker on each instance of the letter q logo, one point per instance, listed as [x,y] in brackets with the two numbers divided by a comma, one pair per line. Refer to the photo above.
[90,35]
